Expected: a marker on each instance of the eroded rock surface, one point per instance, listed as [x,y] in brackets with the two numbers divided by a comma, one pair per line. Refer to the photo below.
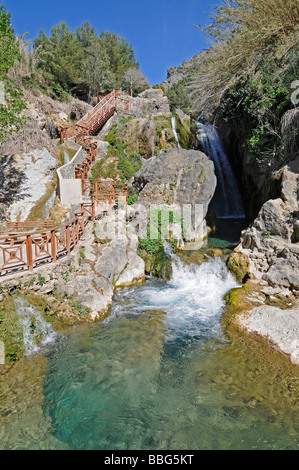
[271,243]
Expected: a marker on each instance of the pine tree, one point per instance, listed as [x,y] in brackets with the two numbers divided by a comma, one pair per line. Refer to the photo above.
[11,97]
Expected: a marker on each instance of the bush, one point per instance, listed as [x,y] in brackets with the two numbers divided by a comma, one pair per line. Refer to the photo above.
[178,97]
[132,199]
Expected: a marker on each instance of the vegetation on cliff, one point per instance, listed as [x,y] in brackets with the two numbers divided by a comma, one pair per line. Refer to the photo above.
[11,100]
[81,62]
[250,71]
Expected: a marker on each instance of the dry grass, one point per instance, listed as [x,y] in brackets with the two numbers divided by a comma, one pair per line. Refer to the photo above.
[243,32]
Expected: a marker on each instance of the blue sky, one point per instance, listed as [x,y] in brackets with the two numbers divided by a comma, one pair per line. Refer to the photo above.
[162,32]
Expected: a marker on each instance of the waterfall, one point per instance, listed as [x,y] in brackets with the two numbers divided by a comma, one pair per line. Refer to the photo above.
[227,202]
[174,129]
[35,329]
[49,204]
[193,298]
[66,157]
[51,129]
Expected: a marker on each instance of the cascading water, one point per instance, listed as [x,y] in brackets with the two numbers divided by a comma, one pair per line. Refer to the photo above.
[36,330]
[227,202]
[49,204]
[193,298]
[174,129]
[158,373]
[66,157]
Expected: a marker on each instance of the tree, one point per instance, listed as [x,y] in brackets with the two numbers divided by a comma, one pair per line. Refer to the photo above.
[11,97]
[81,62]
[121,55]
[178,97]
[134,78]
[96,75]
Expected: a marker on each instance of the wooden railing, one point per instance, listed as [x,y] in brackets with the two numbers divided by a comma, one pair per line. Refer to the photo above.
[100,114]
[27,250]
[82,170]
[29,225]
[96,118]
[22,249]
[108,191]
[65,133]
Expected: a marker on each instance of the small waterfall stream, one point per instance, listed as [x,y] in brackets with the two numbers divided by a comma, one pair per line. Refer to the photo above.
[49,204]
[66,157]
[36,330]
[227,202]
[174,129]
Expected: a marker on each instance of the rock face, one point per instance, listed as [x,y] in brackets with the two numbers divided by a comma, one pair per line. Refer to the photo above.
[24,181]
[110,260]
[145,135]
[177,177]
[30,155]
[105,259]
[183,72]
[152,101]
[271,242]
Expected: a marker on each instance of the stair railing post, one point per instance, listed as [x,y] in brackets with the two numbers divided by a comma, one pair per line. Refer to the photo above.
[53,246]
[29,253]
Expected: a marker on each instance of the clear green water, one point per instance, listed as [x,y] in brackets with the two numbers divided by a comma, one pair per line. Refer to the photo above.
[159,373]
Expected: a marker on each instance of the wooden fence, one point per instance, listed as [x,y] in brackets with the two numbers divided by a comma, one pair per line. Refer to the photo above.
[26,250]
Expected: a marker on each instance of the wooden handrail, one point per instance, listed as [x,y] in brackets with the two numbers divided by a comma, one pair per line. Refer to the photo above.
[94,119]
[30,224]
[27,250]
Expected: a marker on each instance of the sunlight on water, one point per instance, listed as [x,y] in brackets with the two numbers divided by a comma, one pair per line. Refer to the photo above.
[159,373]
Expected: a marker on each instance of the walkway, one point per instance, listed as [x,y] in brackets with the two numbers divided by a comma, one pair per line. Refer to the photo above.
[27,245]
[98,116]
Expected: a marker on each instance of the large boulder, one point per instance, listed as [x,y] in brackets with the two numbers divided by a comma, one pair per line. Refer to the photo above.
[152,101]
[179,178]
[25,179]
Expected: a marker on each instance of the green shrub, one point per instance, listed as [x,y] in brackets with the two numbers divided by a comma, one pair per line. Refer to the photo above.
[132,199]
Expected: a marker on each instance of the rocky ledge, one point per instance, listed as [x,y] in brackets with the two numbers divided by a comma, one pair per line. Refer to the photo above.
[268,255]
[80,287]
[269,248]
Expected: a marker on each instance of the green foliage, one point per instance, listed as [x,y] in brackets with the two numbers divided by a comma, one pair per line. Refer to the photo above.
[178,97]
[12,103]
[150,246]
[81,309]
[247,33]
[128,166]
[58,92]
[132,199]
[159,87]
[261,99]
[154,245]
[81,62]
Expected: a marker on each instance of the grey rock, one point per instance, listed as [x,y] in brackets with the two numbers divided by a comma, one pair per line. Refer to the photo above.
[178,177]
[280,327]
[271,243]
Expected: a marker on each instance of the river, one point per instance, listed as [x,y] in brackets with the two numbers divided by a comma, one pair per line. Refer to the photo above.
[159,373]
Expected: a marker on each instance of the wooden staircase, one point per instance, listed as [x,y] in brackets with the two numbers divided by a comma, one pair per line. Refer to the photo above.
[98,116]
